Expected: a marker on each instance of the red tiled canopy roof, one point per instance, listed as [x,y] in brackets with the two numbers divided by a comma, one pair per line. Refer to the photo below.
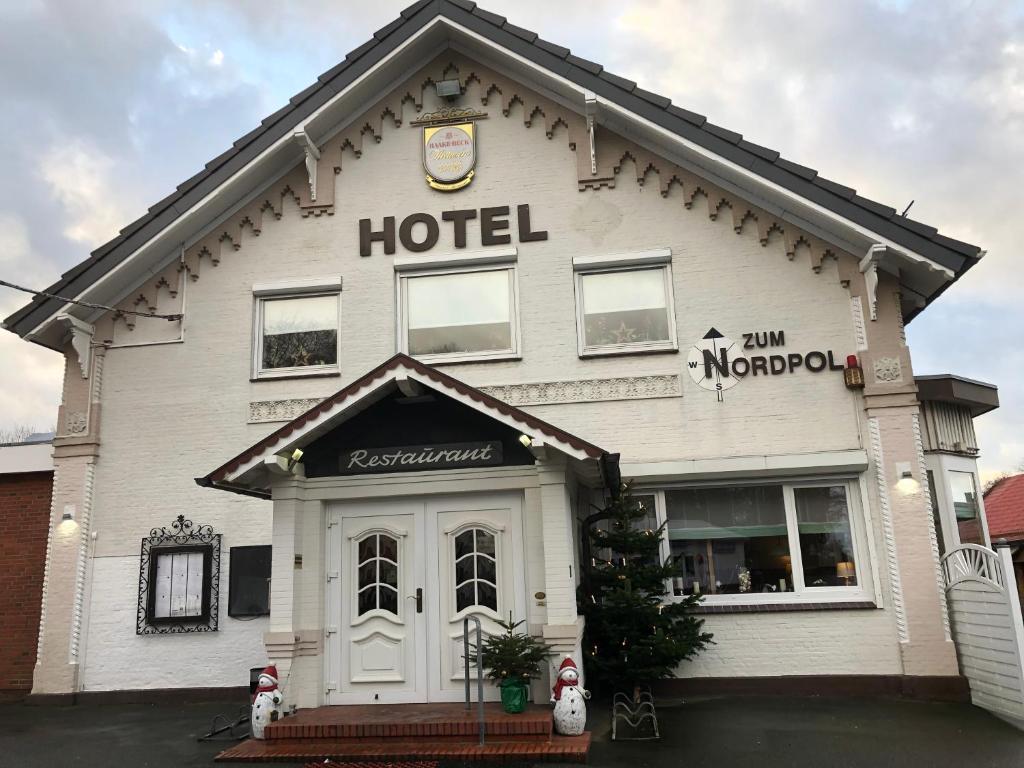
[444,382]
[1004,509]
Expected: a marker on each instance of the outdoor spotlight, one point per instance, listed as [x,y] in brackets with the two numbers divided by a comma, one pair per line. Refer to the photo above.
[448,89]
[906,484]
[526,440]
[69,513]
[295,458]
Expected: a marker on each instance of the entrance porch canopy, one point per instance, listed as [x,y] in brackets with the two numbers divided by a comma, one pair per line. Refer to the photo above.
[252,471]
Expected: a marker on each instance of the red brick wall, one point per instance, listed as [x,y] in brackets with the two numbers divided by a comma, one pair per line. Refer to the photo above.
[24,521]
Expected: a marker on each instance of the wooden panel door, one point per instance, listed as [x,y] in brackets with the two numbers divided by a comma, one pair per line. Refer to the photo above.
[479,570]
[380,648]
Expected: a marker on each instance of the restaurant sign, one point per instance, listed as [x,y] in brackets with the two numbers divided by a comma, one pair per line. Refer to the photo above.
[416,458]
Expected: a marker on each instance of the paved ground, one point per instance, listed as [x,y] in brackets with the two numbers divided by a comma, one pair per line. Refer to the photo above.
[763,732]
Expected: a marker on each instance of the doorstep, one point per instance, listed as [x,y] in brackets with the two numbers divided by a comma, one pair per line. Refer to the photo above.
[411,732]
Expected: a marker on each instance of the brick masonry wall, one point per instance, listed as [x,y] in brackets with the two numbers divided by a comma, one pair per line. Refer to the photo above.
[175,411]
[24,519]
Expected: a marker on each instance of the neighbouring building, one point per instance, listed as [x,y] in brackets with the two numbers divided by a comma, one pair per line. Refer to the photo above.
[1004,516]
[26,484]
[371,366]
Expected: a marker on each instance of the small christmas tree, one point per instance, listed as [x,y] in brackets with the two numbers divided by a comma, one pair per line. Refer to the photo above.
[633,636]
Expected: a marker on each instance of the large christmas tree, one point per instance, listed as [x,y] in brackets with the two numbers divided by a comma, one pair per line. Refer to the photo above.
[633,635]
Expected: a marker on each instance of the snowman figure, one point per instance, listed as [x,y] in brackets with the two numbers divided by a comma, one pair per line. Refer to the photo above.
[266,705]
[570,713]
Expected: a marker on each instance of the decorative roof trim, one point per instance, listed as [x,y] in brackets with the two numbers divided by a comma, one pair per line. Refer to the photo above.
[617,94]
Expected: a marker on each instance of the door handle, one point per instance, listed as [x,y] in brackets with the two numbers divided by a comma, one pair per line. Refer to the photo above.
[419,599]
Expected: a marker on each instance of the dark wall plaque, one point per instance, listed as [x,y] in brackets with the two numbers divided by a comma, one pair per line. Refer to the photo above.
[415,458]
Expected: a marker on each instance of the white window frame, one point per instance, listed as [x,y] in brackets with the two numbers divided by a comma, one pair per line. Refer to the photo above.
[660,259]
[456,266]
[292,289]
[861,592]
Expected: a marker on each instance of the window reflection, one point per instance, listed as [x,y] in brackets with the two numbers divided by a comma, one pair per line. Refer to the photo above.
[377,574]
[826,544]
[964,493]
[730,540]
[475,570]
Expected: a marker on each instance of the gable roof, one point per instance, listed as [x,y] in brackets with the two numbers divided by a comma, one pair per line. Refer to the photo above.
[921,239]
[1004,509]
[242,472]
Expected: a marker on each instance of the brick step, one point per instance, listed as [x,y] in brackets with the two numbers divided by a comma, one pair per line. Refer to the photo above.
[562,749]
[410,721]
[453,738]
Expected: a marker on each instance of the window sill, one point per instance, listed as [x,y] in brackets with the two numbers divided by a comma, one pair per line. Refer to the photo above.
[716,608]
[457,359]
[295,375]
[626,350]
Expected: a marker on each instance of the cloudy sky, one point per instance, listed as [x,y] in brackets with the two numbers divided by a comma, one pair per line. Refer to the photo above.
[105,106]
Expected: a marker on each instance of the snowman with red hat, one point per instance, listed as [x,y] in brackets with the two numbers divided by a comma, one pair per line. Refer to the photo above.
[266,704]
[570,714]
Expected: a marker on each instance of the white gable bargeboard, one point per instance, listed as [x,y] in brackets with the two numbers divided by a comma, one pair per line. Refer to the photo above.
[171,411]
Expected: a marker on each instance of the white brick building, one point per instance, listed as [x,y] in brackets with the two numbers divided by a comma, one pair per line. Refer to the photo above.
[323,296]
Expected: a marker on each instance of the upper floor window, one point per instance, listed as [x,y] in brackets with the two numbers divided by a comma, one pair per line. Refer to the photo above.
[296,330]
[470,314]
[624,303]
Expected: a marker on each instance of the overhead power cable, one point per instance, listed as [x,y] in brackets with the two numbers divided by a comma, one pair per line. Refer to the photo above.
[89,304]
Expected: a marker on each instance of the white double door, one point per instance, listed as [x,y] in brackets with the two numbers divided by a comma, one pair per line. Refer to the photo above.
[402,575]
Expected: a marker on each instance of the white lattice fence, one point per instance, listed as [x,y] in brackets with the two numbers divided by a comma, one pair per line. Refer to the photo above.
[987,627]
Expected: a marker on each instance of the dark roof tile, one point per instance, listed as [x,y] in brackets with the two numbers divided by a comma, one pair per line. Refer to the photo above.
[589,66]
[723,133]
[957,245]
[523,34]
[621,82]
[916,226]
[415,8]
[687,115]
[836,189]
[876,208]
[387,29]
[465,5]
[554,50]
[800,170]
[763,152]
[494,18]
[355,53]
[659,101]
[220,158]
[275,116]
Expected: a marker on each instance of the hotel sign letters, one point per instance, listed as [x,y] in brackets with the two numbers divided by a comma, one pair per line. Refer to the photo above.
[415,458]
[495,229]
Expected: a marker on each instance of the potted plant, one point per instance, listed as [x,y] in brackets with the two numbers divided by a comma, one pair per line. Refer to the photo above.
[511,660]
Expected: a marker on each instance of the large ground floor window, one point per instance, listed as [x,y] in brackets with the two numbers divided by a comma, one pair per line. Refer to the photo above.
[771,541]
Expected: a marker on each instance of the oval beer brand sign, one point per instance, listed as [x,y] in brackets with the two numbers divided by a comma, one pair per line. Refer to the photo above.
[449,154]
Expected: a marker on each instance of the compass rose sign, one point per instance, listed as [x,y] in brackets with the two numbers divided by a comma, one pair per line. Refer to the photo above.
[709,362]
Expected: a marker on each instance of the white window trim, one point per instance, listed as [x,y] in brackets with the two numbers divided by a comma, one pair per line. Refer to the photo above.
[320,284]
[497,256]
[401,330]
[291,290]
[862,592]
[660,258]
